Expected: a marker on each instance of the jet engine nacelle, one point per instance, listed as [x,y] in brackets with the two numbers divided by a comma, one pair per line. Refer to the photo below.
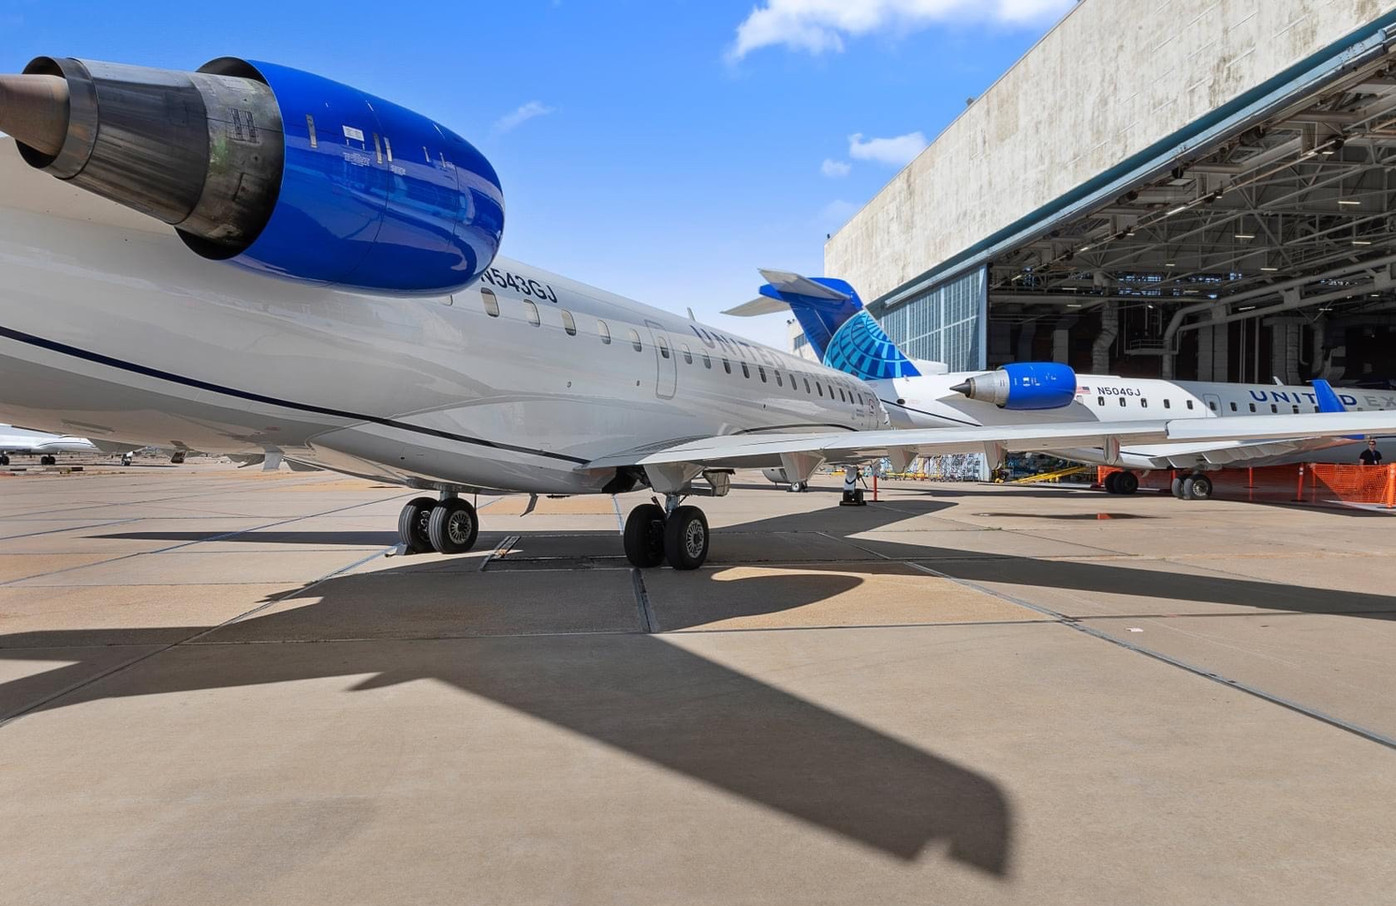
[1023,386]
[267,167]
[775,476]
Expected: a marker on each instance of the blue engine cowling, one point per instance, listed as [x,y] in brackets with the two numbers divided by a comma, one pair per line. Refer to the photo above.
[278,170]
[381,198]
[1024,386]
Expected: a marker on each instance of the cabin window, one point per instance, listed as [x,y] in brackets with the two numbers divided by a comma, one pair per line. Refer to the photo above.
[604,332]
[761,370]
[1233,407]
[1189,404]
[1143,404]
[377,149]
[841,396]
[746,372]
[491,302]
[820,387]
[1122,402]
[388,148]
[776,372]
[1296,410]
[1168,404]
[707,361]
[726,365]
[1100,401]
[663,346]
[532,311]
[1274,408]
[1212,404]
[687,354]
[1252,407]
[635,340]
[807,390]
[568,324]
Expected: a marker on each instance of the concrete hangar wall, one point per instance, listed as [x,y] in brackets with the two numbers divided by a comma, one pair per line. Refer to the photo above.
[1191,188]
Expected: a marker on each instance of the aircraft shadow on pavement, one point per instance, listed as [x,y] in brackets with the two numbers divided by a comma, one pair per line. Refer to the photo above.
[639,693]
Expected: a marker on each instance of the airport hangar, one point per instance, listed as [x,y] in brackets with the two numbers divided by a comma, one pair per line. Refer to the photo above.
[1178,188]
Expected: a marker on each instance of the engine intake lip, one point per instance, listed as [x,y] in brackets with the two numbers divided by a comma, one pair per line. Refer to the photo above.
[82,119]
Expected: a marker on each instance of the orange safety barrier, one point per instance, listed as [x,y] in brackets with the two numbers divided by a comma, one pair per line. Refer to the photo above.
[1309,483]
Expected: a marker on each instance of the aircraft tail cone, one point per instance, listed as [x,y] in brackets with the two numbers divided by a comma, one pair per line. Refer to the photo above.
[966,388]
[34,109]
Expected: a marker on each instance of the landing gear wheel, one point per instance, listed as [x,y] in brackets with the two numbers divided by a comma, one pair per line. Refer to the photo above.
[412,525]
[644,536]
[47,461]
[453,527]
[1177,488]
[1197,487]
[1111,483]
[1126,483]
[4,460]
[686,538]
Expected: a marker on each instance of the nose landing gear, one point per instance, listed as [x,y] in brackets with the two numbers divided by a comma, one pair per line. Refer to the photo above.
[679,536]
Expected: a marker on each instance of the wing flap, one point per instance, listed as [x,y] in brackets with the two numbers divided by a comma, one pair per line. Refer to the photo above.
[1219,435]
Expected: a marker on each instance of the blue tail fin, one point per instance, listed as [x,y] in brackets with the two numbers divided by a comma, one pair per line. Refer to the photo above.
[838,328]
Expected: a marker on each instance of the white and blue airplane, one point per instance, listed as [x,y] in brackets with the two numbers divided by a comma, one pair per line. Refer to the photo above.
[925,395]
[251,259]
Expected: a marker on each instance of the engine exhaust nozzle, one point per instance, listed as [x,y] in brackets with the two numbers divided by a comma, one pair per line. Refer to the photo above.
[34,109]
[201,151]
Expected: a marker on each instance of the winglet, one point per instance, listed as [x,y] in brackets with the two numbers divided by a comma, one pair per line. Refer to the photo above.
[1328,400]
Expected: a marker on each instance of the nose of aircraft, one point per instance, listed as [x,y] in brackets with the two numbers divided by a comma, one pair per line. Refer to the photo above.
[34,109]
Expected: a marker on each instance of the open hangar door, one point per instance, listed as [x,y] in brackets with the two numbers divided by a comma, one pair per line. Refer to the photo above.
[1265,248]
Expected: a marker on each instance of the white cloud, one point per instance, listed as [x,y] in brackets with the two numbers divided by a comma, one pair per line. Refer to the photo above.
[528,111]
[894,152]
[835,169]
[819,26]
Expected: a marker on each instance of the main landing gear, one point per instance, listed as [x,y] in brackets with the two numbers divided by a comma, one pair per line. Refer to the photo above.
[678,534]
[48,460]
[1195,487]
[447,526]
[1121,483]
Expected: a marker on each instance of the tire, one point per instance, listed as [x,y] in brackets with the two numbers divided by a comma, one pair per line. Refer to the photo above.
[1177,488]
[47,461]
[4,460]
[412,525]
[644,536]
[1112,483]
[1126,483]
[1198,487]
[453,526]
[686,538]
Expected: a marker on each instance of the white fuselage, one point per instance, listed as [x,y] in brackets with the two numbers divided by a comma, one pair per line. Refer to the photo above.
[110,326]
[20,440]
[927,401]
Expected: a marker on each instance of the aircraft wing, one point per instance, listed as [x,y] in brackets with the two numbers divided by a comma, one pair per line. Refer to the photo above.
[772,450]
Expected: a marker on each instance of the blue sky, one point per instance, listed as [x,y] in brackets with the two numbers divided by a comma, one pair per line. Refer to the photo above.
[663,150]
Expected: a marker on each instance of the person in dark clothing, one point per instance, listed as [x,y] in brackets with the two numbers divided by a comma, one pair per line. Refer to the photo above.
[1371,456]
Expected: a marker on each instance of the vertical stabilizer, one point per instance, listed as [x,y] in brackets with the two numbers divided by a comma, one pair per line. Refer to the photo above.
[839,329]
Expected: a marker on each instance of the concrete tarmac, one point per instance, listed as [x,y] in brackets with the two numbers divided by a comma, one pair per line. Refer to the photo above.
[215,688]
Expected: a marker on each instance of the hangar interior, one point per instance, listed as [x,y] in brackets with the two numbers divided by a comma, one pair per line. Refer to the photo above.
[1197,189]
[1270,253]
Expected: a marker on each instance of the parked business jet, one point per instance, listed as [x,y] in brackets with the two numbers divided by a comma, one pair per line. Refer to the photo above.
[923,395]
[23,442]
[331,293]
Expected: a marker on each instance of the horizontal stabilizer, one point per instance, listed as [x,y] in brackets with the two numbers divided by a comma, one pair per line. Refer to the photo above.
[758,306]
[787,282]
